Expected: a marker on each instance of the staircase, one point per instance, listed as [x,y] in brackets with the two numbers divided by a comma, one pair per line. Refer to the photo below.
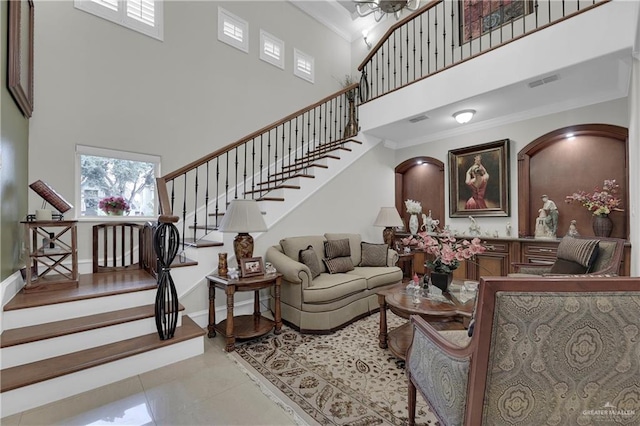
[59,343]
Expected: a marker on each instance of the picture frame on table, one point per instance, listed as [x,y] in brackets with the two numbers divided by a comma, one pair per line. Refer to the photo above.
[479,180]
[20,54]
[251,266]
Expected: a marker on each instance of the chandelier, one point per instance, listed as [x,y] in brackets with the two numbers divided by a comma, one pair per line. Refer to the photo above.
[380,8]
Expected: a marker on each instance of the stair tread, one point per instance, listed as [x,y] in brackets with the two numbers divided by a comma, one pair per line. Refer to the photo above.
[192,242]
[301,165]
[270,199]
[39,371]
[89,286]
[22,335]
[297,175]
[273,188]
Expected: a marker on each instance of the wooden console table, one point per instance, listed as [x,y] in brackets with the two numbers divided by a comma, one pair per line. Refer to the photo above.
[48,244]
[243,326]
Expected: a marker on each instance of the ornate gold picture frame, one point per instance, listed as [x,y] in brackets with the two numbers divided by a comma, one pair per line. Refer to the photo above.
[479,180]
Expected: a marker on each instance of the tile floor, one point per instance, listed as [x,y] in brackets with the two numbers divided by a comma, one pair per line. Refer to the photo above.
[205,390]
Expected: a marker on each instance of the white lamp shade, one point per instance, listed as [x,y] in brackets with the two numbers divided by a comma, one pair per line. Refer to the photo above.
[388,216]
[243,216]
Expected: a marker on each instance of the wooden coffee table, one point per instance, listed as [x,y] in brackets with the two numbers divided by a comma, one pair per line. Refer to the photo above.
[446,316]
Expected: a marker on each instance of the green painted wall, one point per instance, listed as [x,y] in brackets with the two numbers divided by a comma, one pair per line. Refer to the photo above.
[14,151]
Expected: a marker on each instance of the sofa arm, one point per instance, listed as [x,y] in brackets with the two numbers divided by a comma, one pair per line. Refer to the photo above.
[532,268]
[392,257]
[291,270]
[440,370]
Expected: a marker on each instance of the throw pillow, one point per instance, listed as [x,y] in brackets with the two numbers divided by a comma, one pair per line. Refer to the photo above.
[339,264]
[563,266]
[578,250]
[374,254]
[337,248]
[309,257]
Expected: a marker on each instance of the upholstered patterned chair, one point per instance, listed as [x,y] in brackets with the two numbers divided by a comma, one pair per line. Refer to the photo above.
[544,351]
[579,255]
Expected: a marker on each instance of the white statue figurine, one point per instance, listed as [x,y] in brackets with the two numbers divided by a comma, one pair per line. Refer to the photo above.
[573,231]
[474,228]
[428,223]
[508,229]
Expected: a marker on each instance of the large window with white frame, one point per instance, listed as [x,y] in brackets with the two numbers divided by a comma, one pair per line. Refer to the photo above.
[303,65]
[233,30]
[105,173]
[144,16]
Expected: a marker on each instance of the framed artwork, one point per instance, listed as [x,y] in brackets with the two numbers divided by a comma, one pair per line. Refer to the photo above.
[478,17]
[251,266]
[479,180]
[20,49]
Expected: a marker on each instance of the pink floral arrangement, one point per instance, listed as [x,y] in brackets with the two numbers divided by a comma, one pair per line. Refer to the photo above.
[114,204]
[599,202]
[447,251]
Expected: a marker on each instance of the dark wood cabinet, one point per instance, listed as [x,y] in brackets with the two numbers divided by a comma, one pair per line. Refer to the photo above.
[496,261]
[539,251]
[502,252]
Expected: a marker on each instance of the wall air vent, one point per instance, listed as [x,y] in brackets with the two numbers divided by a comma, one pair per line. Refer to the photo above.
[418,118]
[546,80]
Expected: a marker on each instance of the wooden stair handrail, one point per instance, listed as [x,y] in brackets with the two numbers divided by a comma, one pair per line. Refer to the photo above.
[253,135]
[166,213]
[393,28]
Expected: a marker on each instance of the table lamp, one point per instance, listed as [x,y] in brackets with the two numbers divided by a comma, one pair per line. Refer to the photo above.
[389,218]
[243,216]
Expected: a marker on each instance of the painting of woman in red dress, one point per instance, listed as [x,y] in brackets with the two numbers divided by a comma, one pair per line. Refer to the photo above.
[476,179]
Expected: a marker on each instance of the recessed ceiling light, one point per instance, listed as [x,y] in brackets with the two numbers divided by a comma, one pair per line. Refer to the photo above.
[464,116]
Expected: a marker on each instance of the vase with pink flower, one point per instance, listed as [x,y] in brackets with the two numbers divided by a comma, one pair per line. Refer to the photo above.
[600,202]
[446,252]
[114,206]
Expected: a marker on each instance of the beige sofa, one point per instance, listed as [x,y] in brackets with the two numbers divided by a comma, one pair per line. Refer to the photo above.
[329,301]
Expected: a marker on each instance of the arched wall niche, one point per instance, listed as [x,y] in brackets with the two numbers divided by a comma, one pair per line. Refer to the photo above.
[557,165]
[421,179]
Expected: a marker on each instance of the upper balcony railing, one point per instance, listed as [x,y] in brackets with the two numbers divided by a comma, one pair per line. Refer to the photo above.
[445,33]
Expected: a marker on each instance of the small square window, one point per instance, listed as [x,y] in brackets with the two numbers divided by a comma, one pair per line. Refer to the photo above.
[233,30]
[271,49]
[303,65]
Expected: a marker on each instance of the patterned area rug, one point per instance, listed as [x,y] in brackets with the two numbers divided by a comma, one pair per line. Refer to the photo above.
[338,379]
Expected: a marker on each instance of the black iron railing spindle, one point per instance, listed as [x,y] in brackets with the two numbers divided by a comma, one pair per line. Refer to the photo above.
[195,202]
[217,206]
